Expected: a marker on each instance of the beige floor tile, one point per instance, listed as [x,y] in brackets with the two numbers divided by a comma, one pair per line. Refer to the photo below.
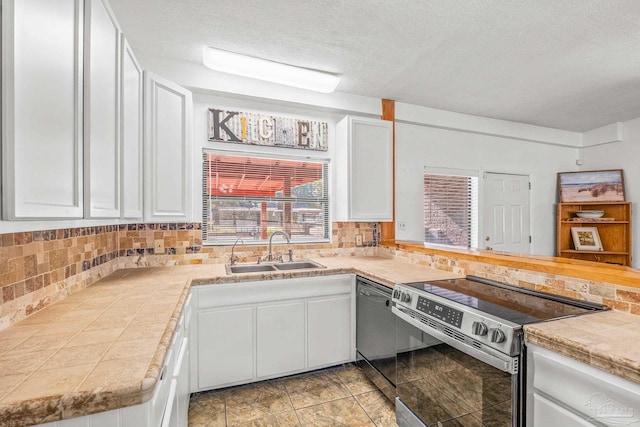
[379,408]
[343,412]
[269,403]
[354,379]
[256,401]
[285,419]
[207,410]
[315,388]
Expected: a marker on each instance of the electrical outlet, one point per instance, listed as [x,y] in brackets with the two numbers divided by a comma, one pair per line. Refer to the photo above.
[402,226]
[158,246]
[358,239]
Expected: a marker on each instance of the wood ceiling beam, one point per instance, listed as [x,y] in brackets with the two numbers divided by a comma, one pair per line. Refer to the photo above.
[388,229]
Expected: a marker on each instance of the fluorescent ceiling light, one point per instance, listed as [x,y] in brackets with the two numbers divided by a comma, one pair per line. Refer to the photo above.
[261,69]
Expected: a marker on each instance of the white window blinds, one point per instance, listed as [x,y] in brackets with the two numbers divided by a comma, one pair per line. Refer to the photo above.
[451,210]
[250,197]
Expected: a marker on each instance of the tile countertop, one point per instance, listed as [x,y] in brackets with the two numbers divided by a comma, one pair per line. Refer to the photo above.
[101,348]
[606,340]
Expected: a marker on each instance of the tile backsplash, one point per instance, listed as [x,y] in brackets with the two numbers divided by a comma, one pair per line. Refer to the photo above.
[39,268]
[617,297]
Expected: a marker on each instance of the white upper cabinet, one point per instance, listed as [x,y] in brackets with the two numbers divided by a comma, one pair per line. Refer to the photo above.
[42,108]
[130,133]
[168,153]
[102,111]
[363,170]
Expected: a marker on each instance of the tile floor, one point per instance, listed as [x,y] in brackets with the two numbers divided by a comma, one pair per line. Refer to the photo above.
[340,396]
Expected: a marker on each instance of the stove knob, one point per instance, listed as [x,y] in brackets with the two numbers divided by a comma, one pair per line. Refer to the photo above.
[396,293]
[497,336]
[405,297]
[479,328]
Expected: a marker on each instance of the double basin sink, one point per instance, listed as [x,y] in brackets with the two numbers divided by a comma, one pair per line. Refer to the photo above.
[282,266]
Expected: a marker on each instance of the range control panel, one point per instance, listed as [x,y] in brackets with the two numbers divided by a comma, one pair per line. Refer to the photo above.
[440,311]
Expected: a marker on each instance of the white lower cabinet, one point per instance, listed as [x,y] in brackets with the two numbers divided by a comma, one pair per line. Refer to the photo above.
[564,392]
[252,331]
[232,362]
[326,321]
[183,386]
[280,339]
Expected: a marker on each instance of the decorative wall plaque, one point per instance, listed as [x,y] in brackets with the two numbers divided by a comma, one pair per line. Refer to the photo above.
[257,129]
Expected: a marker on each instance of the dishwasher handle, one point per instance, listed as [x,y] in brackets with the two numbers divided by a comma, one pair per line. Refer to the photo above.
[368,288]
[374,294]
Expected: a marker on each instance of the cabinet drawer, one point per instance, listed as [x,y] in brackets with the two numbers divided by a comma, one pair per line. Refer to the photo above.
[546,413]
[584,389]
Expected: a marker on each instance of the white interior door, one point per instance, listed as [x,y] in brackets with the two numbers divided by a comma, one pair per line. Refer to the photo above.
[505,207]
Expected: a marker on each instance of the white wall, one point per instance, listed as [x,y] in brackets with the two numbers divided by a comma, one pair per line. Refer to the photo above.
[624,155]
[418,146]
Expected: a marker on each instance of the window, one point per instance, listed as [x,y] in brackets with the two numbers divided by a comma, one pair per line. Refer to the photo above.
[250,197]
[451,209]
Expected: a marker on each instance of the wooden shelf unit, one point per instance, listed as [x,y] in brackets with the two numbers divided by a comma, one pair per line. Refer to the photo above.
[615,235]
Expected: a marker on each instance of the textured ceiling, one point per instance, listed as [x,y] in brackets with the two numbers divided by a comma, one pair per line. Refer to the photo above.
[566,64]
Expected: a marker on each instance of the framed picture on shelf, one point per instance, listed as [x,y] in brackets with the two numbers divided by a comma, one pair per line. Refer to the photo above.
[591,186]
[586,238]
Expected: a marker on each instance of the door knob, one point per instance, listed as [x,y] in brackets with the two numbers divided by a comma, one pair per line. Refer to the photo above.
[487,238]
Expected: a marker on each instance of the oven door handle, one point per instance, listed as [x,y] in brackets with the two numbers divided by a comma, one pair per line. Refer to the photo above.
[491,357]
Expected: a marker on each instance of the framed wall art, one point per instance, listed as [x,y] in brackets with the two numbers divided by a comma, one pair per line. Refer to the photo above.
[586,239]
[591,186]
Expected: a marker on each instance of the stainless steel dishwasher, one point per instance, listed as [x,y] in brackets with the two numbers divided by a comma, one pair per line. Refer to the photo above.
[376,335]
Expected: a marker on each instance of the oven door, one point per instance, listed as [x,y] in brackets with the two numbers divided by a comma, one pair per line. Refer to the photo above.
[441,382]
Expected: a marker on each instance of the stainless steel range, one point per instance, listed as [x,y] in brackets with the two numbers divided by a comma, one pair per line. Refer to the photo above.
[467,368]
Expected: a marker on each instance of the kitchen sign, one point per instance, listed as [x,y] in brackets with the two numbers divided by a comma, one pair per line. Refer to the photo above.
[256,129]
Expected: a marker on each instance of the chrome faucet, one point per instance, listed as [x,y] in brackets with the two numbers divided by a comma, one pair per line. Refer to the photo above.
[286,236]
[234,258]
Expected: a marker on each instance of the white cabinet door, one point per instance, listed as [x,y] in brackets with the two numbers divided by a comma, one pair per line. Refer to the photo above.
[181,374]
[364,170]
[130,133]
[167,151]
[225,346]
[42,109]
[330,339]
[102,112]
[280,338]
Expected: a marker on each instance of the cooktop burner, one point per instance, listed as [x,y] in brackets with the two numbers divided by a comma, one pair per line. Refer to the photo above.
[518,305]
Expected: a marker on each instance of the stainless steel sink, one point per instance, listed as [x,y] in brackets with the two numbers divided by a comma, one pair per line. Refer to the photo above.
[282,266]
[249,268]
[298,265]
